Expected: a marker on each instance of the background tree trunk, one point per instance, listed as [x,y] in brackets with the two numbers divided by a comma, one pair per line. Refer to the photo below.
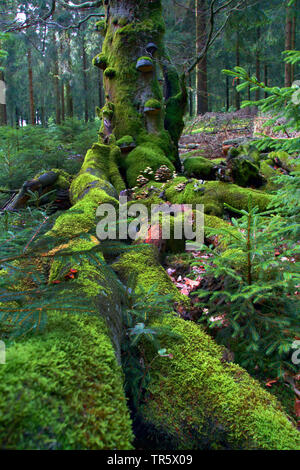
[85,81]
[69,97]
[201,69]
[266,79]
[3,112]
[56,81]
[257,92]
[288,43]
[237,60]
[31,93]
[62,85]
[294,27]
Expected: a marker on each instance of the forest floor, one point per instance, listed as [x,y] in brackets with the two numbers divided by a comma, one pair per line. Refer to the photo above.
[208,132]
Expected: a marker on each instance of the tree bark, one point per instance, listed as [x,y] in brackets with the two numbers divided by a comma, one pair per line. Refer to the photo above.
[266,79]
[31,93]
[85,81]
[69,97]
[227,105]
[201,68]
[191,100]
[56,81]
[294,27]
[3,111]
[288,44]
[257,92]
[100,89]
[62,85]
[237,61]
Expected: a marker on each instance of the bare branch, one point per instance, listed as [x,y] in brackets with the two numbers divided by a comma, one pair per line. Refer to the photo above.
[211,37]
[80,6]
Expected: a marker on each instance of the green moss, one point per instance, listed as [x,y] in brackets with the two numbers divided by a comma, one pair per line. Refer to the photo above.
[153,25]
[63,389]
[269,172]
[114,173]
[146,58]
[64,179]
[283,156]
[81,218]
[90,278]
[101,27]
[96,161]
[100,60]
[245,172]
[143,264]
[199,167]
[214,399]
[192,153]
[238,197]
[175,104]
[153,103]
[141,157]
[218,192]
[110,72]
[126,140]
[251,151]
[83,184]
[123,21]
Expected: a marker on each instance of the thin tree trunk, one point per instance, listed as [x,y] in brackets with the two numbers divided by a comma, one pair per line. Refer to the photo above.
[227,94]
[201,69]
[266,77]
[257,92]
[31,94]
[248,89]
[56,81]
[85,82]
[17,117]
[62,99]
[69,97]
[62,85]
[288,44]
[3,111]
[237,60]
[294,27]
[191,104]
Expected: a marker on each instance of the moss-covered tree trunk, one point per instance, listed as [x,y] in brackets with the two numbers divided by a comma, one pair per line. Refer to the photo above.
[144,100]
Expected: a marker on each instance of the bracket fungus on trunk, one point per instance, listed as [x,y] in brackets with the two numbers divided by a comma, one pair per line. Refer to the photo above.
[152,107]
[145,65]
[151,48]
[100,61]
[110,72]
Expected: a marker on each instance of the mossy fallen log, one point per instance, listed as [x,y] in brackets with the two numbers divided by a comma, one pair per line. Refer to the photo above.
[197,398]
[63,389]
